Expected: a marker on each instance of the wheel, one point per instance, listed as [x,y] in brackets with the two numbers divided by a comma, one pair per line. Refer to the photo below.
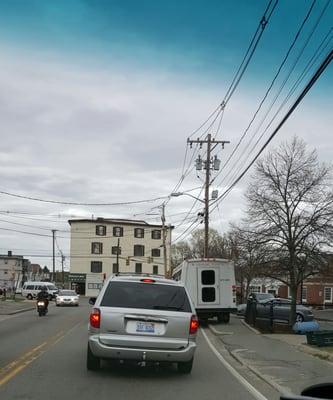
[224,317]
[29,297]
[76,305]
[93,363]
[299,318]
[40,313]
[185,367]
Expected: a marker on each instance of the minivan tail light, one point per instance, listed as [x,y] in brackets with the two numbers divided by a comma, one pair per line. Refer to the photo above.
[95,318]
[194,325]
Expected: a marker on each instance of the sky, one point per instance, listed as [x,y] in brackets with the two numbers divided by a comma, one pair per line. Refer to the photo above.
[98,98]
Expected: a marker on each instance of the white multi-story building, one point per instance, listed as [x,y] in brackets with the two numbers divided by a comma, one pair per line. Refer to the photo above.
[101,247]
[13,270]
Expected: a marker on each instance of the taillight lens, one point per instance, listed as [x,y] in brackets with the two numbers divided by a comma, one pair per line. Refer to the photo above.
[194,325]
[95,318]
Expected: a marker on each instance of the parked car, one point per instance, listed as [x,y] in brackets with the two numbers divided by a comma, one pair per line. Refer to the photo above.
[145,319]
[281,310]
[258,297]
[67,298]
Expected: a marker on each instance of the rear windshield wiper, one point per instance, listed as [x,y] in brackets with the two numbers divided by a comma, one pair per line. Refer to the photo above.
[167,308]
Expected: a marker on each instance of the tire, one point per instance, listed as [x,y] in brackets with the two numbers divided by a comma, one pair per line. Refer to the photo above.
[93,363]
[185,367]
[29,296]
[299,317]
[40,313]
[224,317]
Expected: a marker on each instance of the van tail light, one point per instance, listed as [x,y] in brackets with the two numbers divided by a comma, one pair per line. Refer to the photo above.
[95,318]
[194,325]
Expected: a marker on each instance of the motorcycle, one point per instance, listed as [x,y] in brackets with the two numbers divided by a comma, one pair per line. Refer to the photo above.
[41,308]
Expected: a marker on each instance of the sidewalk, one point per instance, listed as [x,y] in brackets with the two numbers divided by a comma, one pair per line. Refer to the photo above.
[11,307]
[323,315]
[280,360]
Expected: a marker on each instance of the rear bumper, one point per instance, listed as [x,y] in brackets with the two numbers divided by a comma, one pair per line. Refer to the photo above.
[140,354]
[213,312]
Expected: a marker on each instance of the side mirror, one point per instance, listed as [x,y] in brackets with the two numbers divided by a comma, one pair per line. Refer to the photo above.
[92,300]
[321,391]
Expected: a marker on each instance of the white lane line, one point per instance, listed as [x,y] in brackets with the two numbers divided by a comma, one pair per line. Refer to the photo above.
[232,370]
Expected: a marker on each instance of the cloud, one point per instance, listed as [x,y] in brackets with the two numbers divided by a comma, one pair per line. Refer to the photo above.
[90,135]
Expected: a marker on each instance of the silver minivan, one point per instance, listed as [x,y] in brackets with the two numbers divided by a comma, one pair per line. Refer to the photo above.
[147,319]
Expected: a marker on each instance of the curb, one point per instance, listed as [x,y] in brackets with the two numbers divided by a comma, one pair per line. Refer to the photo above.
[315,353]
[19,311]
[267,379]
[250,327]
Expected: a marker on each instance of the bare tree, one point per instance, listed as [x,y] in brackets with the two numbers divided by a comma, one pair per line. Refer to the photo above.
[250,256]
[219,246]
[180,251]
[291,206]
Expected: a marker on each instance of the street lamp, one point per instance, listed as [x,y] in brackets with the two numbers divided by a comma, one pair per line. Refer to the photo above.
[177,194]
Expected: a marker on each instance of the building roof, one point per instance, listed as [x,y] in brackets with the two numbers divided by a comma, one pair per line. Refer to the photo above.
[117,221]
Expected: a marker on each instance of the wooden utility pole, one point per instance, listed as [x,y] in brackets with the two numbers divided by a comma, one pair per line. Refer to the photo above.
[53,254]
[208,165]
[164,234]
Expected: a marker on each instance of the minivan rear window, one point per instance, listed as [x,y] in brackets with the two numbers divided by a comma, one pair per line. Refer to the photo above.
[147,296]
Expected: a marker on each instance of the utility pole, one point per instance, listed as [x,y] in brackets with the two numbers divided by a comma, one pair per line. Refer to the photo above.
[164,240]
[62,270]
[118,243]
[53,254]
[209,164]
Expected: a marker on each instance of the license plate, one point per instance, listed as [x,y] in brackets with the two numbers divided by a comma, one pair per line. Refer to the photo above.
[146,327]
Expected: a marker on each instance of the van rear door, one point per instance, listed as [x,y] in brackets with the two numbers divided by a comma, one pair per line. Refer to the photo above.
[208,285]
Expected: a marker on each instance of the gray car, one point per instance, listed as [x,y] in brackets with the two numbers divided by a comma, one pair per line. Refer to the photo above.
[145,319]
[281,310]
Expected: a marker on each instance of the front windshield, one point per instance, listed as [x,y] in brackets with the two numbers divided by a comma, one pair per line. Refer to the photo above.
[67,293]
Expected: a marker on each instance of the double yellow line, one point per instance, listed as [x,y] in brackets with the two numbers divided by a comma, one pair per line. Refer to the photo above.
[13,368]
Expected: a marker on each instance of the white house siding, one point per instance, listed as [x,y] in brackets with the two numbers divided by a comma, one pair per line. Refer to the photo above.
[83,234]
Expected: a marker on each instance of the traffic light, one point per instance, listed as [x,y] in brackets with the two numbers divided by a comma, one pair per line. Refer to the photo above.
[127,261]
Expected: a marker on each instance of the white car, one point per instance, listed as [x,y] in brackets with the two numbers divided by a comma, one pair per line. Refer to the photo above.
[67,298]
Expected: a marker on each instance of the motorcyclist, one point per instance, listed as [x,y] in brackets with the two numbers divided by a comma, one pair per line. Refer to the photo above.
[43,295]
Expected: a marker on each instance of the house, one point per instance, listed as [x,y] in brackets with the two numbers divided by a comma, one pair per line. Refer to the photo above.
[101,247]
[13,270]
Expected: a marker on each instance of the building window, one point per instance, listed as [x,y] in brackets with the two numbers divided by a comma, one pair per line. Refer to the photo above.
[96,266]
[118,231]
[155,252]
[94,286]
[115,268]
[96,248]
[156,234]
[328,294]
[139,250]
[138,268]
[155,269]
[116,250]
[255,289]
[139,233]
[100,230]
[304,293]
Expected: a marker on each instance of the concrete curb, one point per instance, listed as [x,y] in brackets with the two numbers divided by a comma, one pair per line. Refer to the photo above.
[316,353]
[19,311]
[250,327]
[216,332]
[267,379]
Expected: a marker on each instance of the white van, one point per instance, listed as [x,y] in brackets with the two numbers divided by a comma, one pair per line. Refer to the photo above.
[211,285]
[31,289]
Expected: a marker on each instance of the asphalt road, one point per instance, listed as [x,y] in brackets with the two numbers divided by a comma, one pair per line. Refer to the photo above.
[45,358]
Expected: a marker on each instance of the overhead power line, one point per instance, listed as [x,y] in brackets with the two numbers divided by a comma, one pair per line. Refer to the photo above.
[82,204]
[309,85]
